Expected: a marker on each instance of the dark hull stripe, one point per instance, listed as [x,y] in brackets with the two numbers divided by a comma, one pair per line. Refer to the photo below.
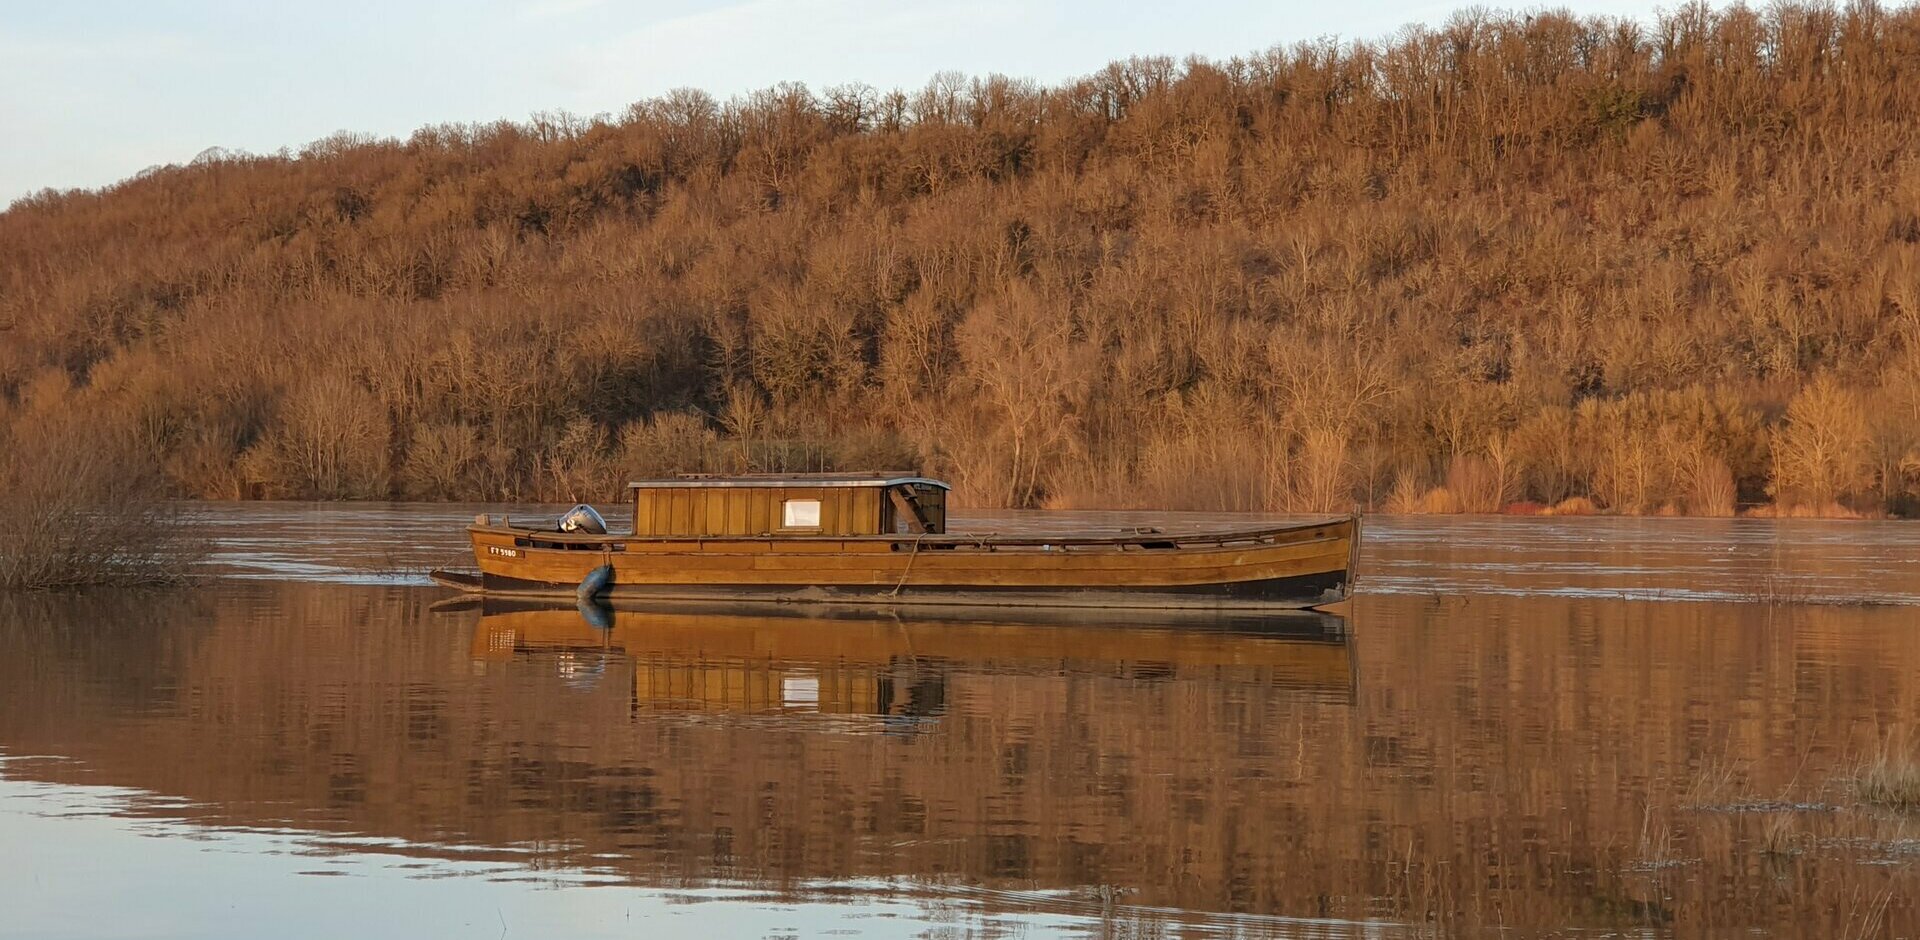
[1308,590]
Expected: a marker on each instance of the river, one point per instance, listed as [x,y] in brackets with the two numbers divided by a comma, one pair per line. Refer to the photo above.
[1521,728]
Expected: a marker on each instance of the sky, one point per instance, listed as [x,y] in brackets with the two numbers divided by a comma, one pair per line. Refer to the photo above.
[94,91]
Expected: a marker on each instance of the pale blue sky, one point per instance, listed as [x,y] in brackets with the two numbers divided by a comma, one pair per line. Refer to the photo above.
[92,92]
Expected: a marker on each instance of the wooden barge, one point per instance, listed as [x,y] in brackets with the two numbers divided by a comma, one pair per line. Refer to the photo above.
[883,539]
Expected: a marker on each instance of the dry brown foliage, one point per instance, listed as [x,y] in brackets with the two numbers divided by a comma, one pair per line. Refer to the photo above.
[79,507]
[1657,266]
[1889,776]
[1821,454]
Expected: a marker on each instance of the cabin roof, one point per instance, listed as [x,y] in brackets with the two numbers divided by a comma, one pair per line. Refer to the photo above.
[785,480]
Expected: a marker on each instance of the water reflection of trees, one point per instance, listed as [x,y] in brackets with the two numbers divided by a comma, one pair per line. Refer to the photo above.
[1530,763]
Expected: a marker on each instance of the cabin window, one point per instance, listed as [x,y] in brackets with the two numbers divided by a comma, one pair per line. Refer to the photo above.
[800,514]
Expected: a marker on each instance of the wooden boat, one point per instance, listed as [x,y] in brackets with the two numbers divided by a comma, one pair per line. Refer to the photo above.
[883,539]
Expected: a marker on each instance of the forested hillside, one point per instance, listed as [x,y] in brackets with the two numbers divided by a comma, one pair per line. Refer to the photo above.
[1664,266]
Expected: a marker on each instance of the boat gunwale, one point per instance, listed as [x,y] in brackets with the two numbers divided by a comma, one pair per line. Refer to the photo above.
[987,542]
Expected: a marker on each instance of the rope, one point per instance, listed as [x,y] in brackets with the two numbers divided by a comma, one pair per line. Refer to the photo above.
[909,569]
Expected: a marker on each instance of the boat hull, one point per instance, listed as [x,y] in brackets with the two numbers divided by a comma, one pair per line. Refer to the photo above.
[1301,591]
[1300,566]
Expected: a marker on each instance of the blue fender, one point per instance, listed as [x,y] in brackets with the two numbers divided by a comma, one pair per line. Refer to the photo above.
[594,584]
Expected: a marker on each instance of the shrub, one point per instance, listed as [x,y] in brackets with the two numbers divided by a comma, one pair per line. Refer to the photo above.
[441,460]
[668,443]
[1707,486]
[330,443]
[1439,500]
[80,506]
[1479,484]
[1821,454]
[579,469]
[1573,506]
[1404,497]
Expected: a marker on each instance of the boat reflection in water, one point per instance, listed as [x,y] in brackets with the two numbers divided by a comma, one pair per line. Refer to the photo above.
[964,766]
[855,662]
[1529,765]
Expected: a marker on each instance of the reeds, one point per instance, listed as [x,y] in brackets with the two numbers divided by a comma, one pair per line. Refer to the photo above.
[1890,777]
[1776,590]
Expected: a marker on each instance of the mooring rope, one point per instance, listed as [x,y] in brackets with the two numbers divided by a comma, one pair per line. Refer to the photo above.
[909,568]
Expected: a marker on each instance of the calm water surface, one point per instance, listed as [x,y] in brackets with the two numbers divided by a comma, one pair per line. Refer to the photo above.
[1524,727]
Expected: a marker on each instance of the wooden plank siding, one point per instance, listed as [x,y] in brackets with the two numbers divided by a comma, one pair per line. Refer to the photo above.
[710,512]
[829,561]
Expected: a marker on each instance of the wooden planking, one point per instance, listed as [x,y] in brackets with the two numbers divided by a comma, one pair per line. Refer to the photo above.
[989,544]
[643,503]
[695,511]
[694,516]
[730,570]
[857,553]
[704,508]
[993,544]
[822,565]
[954,545]
[764,518]
[739,513]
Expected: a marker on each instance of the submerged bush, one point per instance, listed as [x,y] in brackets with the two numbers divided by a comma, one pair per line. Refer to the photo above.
[81,507]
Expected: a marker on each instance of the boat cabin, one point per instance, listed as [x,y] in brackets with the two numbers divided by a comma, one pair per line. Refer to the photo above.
[799,504]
